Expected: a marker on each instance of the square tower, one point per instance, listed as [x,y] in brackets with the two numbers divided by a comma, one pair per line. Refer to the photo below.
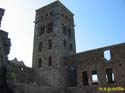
[54,41]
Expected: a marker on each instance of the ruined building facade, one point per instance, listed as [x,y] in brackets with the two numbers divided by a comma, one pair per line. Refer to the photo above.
[4,51]
[57,68]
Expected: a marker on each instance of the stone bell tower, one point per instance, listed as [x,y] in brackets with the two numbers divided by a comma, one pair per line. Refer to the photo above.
[54,40]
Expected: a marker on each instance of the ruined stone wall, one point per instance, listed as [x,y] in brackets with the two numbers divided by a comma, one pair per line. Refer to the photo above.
[94,60]
[4,41]
[4,51]
[22,74]
[32,88]
[65,74]
[4,48]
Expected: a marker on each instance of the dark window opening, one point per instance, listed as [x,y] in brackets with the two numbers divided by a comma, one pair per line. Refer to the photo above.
[50,61]
[40,47]
[69,20]
[94,77]
[109,75]
[50,28]
[84,78]
[72,76]
[50,44]
[107,55]
[69,32]
[47,15]
[66,17]
[71,47]
[23,91]
[63,15]
[41,17]
[42,30]
[64,43]
[51,13]
[39,62]
[64,30]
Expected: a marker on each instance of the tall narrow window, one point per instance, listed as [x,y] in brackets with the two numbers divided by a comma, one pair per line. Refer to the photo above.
[39,62]
[50,27]
[69,32]
[71,47]
[50,44]
[84,78]
[64,43]
[64,29]
[110,78]
[107,55]
[94,77]
[47,15]
[40,47]
[72,76]
[42,30]
[50,61]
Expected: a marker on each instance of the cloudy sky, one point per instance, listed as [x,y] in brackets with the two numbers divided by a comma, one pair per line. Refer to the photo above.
[98,23]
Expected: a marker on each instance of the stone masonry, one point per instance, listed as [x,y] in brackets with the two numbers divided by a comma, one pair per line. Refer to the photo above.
[56,67]
[54,41]
[4,51]
[110,73]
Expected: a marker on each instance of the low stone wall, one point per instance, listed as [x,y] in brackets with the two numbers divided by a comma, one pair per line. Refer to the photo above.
[30,88]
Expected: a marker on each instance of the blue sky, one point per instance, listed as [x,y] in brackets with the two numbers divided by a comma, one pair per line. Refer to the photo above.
[98,23]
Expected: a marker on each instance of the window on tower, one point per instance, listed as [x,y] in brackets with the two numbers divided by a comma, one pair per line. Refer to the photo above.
[69,32]
[50,44]
[49,27]
[42,30]
[47,15]
[39,62]
[64,43]
[64,29]
[51,13]
[50,61]
[71,46]
[40,46]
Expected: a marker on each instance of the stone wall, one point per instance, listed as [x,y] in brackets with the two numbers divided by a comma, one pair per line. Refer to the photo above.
[4,51]
[94,60]
[32,88]
[53,16]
